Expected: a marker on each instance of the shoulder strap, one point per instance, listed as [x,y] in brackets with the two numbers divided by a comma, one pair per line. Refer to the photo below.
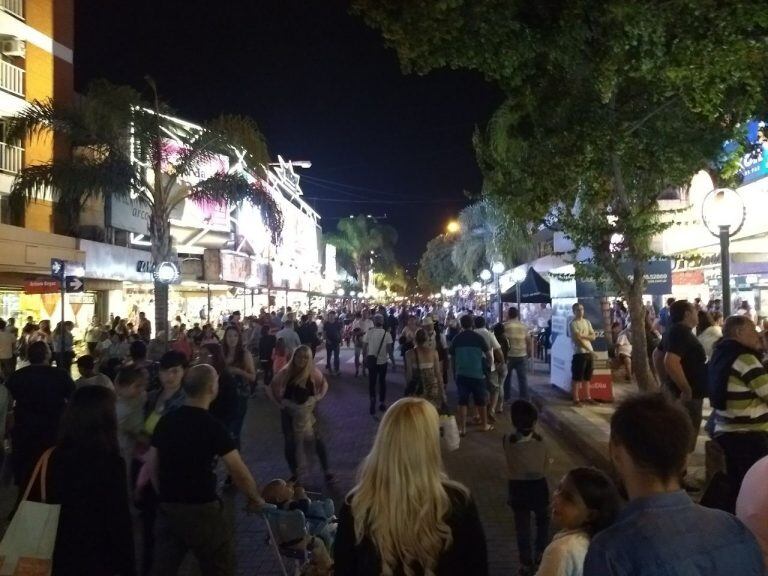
[41,468]
[383,337]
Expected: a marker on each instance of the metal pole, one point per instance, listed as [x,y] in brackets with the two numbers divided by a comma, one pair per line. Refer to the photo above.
[725,268]
[59,360]
[498,297]
[518,299]
[208,314]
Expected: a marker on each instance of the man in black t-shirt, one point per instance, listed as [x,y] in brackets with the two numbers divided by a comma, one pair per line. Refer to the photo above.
[40,393]
[186,446]
[685,361]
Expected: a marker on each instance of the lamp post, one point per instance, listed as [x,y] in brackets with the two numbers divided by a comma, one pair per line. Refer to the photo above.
[723,213]
[518,275]
[485,276]
[498,269]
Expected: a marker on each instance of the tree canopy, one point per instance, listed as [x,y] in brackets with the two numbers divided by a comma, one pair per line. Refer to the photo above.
[363,244]
[436,268]
[607,105]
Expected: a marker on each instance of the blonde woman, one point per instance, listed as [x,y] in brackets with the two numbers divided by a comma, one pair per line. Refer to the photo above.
[296,389]
[405,516]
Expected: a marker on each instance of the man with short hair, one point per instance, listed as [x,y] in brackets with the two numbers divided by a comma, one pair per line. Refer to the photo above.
[739,396]
[519,351]
[144,329]
[289,337]
[662,532]
[582,362]
[377,345]
[685,362]
[472,357]
[186,445]
[7,350]
[492,375]
[93,335]
[664,320]
[41,393]
[333,330]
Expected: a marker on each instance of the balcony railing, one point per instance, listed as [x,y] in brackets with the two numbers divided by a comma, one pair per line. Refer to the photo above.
[11,78]
[15,7]
[11,158]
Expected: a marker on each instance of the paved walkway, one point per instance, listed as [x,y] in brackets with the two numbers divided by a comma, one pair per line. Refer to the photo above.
[349,430]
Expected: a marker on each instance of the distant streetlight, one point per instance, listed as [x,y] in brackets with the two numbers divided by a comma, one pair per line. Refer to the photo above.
[518,275]
[485,275]
[453,227]
[723,213]
[476,286]
[340,292]
[352,293]
[498,269]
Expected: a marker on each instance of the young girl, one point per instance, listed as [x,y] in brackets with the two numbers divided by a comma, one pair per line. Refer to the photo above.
[279,356]
[527,465]
[585,502]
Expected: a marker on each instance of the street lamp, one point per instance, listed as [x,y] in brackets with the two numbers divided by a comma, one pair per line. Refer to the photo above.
[453,227]
[340,292]
[486,275]
[723,213]
[518,275]
[498,269]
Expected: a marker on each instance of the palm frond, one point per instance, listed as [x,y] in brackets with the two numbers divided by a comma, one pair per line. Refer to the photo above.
[77,177]
[37,119]
[234,188]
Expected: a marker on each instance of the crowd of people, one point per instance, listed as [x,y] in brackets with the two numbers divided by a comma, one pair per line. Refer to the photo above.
[142,433]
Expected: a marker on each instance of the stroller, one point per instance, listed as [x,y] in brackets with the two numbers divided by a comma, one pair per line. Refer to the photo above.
[288,529]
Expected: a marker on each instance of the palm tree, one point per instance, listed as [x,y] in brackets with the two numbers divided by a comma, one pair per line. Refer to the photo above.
[488,235]
[363,244]
[120,148]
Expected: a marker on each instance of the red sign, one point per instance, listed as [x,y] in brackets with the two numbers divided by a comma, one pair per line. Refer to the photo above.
[42,286]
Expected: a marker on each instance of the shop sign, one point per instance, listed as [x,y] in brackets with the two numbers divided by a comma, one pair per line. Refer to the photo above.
[688,278]
[42,286]
[658,277]
[108,262]
[128,214]
[82,298]
[227,266]
[695,261]
[145,266]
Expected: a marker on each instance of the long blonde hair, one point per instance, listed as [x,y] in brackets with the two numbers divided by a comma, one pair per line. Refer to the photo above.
[299,376]
[400,500]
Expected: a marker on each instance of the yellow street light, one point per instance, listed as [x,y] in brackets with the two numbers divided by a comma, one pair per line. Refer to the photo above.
[453,227]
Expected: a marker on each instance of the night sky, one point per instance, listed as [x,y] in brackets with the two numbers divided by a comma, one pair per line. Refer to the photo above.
[321,86]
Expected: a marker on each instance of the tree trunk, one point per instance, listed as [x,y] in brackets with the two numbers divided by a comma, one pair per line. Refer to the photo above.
[160,234]
[640,366]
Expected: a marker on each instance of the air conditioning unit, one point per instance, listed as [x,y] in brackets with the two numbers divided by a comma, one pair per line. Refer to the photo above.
[14,47]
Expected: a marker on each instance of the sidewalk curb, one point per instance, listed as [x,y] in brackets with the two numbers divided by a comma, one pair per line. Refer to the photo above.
[555,418]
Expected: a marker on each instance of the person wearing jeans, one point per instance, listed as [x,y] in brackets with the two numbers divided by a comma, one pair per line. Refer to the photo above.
[519,351]
[377,346]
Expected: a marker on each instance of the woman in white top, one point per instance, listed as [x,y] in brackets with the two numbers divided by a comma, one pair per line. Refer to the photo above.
[585,502]
[708,332]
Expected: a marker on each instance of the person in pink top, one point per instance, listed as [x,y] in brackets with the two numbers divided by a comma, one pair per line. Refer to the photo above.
[279,356]
[752,504]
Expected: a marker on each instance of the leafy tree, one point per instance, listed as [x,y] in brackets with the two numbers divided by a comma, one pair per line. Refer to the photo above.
[391,281]
[487,235]
[363,245]
[242,132]
[608,104]
[436,268]
[120,148]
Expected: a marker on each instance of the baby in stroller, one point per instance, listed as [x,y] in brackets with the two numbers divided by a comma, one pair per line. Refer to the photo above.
[320,528]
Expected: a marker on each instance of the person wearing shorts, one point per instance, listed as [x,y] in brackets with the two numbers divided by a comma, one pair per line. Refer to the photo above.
[471,358]
[582,335]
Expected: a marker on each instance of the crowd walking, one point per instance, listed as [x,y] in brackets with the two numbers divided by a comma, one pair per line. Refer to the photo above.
[156,437]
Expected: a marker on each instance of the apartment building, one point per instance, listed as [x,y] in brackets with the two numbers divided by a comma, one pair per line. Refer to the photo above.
[36,48]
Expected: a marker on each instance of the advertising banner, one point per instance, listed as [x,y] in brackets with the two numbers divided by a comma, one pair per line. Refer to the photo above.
[127,214]
[658,276]
[565,293]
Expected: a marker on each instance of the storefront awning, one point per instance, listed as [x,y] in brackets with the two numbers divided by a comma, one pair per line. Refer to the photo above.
[533,290]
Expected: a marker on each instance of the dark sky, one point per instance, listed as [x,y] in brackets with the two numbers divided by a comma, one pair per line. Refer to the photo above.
[321,86]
